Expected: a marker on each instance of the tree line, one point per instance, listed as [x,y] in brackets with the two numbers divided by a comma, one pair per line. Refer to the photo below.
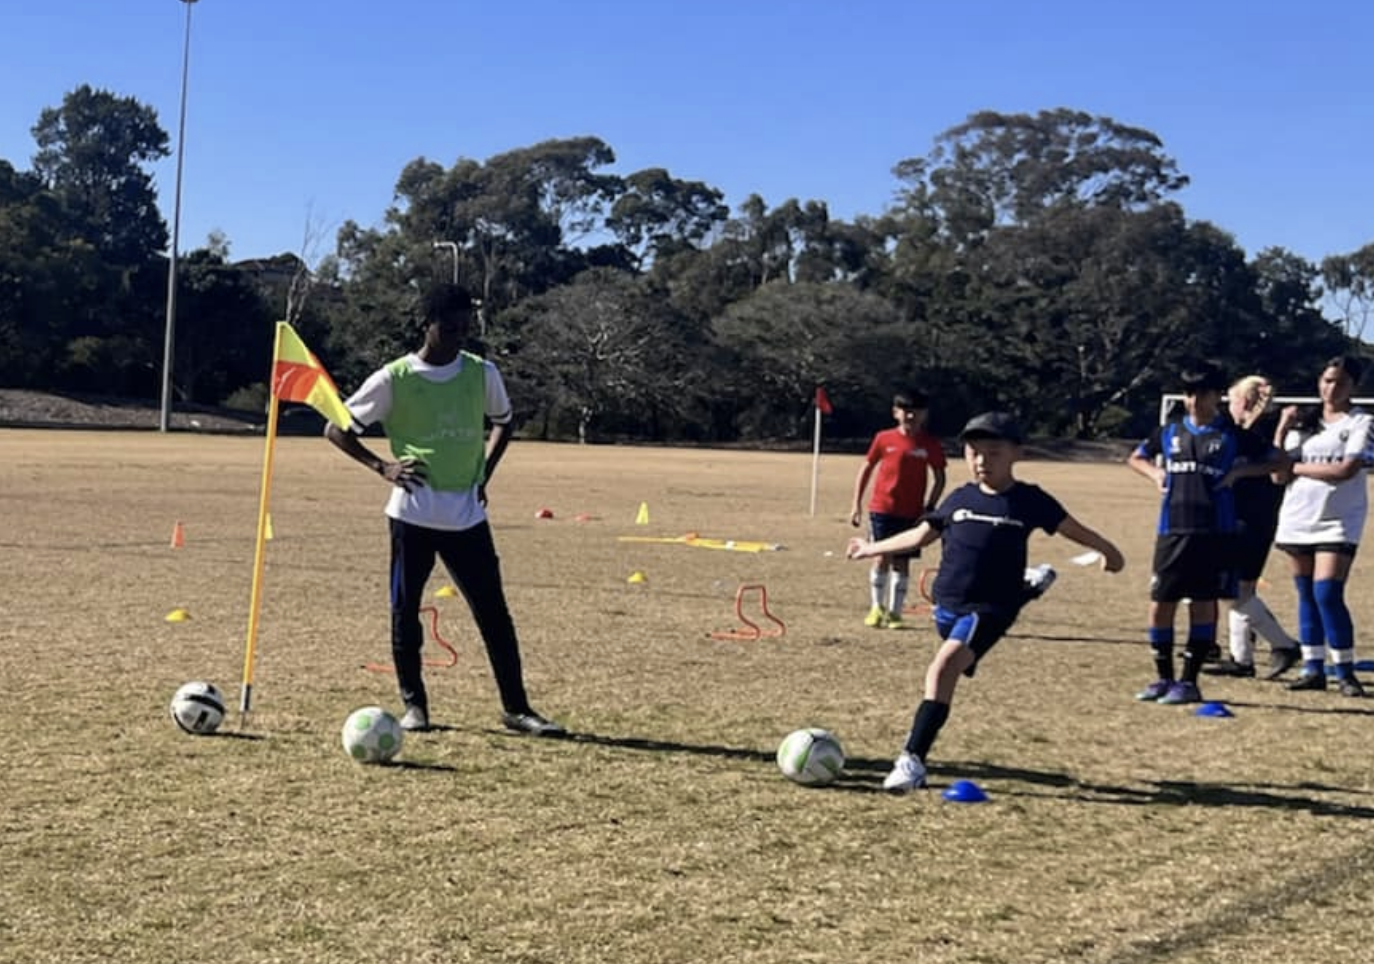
[1039,263]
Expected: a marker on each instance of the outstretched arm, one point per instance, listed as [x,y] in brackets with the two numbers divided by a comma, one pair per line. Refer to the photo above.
[918,538]
[1112,559]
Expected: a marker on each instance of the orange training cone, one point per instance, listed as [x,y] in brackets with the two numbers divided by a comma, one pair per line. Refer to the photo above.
[178,536]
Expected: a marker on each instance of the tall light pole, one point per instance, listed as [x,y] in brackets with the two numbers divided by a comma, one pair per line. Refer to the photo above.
[452,246]
[169,339]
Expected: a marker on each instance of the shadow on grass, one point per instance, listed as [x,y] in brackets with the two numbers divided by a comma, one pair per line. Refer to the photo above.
[865,775]
[426,767]
[1343,710]
[1279,798]
[669,746]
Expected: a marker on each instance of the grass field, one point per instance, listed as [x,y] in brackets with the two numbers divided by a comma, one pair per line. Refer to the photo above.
[1115,831]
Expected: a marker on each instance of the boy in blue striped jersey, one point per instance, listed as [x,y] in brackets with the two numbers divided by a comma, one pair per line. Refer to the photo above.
[1194,460]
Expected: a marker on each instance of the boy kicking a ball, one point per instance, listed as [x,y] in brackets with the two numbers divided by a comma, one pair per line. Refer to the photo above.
[980,586]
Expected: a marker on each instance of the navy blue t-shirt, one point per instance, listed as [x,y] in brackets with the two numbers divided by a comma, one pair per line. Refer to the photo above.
[1196,458]
[983,544]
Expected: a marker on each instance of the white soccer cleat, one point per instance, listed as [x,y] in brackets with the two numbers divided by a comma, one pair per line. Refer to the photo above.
[908,774]
[1039,579]
[415,720]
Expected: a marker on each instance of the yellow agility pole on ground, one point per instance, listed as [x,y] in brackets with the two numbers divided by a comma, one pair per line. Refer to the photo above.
[702,542]
[297,376]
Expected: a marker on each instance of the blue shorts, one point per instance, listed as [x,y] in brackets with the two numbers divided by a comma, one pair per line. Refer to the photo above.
[979,632]
[881,525]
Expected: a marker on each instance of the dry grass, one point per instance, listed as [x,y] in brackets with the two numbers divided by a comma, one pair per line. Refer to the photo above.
[1116,832]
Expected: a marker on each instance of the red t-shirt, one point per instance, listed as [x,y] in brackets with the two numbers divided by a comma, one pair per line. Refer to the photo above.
[903,461]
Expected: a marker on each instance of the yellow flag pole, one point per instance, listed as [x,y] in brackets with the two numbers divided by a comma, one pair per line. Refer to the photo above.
[259,550]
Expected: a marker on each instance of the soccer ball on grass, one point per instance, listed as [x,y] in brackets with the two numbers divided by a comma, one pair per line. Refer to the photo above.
[198,708]
[812,757]
[372,735]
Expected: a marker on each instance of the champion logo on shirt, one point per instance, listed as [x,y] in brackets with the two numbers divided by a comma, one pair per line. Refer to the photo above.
[968,515]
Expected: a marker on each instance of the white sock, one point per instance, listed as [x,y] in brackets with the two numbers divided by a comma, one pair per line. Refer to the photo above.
[900,581]
[1242,650]
[1263,622]
[877,585]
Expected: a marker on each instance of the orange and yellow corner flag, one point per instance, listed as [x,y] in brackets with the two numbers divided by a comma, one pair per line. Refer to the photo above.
[298,376]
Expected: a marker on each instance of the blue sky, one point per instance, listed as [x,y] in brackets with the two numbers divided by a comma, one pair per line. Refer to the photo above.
[301,113]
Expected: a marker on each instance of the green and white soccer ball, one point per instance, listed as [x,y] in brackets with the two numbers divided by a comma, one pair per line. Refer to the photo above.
[372,735]
[812,757]
[198,708]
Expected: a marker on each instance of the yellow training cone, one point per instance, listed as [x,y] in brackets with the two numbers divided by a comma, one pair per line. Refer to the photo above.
[637,577]
[642,516]
[446,592]
[267,528]
[178,616]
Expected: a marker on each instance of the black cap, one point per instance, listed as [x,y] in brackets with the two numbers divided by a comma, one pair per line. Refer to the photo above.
[1203,377]
[992,425]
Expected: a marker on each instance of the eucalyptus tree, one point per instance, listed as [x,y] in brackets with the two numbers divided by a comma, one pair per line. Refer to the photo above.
[93,153]
[784,339]
[1044,255]
[657,215]
[37,278]
[605,351]
[1349,282]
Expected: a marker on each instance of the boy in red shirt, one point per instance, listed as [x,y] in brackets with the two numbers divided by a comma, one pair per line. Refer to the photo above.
[902,456]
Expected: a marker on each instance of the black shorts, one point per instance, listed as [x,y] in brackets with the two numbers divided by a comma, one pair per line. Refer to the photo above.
[882,525]
[1338,548]
[1198,566]
[1252,551]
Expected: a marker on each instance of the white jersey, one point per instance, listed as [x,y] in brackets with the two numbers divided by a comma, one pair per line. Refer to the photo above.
[1314,511]
[423,506]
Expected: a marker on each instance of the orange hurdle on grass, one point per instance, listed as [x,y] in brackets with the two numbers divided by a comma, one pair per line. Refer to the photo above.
[750,629]
[450,660]
[923,588]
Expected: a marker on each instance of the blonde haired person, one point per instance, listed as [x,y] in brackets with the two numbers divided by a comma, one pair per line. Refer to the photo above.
[1257,513]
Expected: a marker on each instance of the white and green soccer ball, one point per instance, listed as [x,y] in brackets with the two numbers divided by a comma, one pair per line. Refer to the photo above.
[372,735]
[197,708]
[812,757]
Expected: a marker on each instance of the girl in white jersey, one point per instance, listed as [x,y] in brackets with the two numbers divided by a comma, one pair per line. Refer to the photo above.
[1321,519]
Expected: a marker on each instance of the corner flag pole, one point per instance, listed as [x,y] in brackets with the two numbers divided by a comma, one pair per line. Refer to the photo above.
[823,407]
[259,553]
[815,460]
[297,376]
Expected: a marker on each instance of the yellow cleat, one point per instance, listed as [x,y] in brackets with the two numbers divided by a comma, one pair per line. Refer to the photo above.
[894,621]
[875,618]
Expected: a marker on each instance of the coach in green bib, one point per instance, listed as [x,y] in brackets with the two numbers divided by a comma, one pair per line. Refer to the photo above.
[435,405]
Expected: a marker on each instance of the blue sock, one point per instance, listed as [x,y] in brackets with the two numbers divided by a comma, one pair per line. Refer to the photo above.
[1162,644]
[1310,631]
[1340,631]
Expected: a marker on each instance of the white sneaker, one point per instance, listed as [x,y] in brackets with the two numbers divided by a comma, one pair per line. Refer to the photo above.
[908,774]
[415,719]
[1039,579]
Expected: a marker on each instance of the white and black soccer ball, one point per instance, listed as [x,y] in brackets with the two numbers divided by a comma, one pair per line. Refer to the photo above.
[372,735]
[812,757]
[198,708]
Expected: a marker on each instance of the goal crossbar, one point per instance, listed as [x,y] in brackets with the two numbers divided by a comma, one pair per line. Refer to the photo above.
[1169,399]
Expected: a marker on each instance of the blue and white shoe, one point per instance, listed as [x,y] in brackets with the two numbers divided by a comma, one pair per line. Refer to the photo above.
[1181,692]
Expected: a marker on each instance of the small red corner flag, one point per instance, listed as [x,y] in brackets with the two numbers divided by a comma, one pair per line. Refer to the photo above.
[823,401]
